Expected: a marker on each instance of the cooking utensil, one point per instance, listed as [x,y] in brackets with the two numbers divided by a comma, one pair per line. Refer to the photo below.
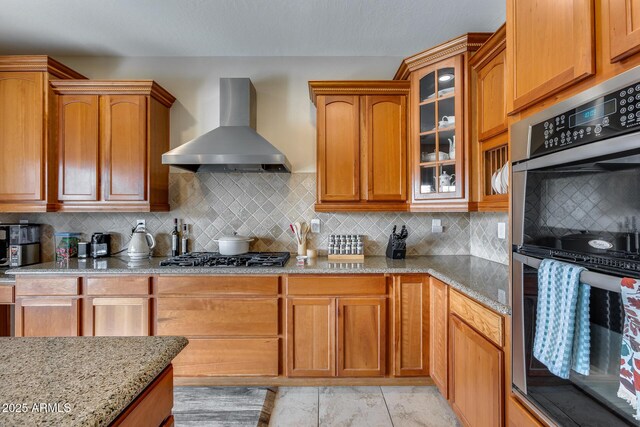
[233,245]
[586,242]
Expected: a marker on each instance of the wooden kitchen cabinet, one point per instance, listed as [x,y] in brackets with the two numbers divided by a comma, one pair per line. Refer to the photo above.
[112,135]
[476,362]
[79,148]
[28,161]
[489,64]
[490,139]
[117,306]
[477,385]
[411,322]
[439,337]
[439,137]
[361,143]
[336,326]
[361,336]
[232,322]
[624,28]
[47,317]
[311,337]
[518,416]
[117,316]
[551,47]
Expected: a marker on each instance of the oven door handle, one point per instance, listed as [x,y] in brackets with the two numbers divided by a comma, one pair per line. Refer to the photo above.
[597,280]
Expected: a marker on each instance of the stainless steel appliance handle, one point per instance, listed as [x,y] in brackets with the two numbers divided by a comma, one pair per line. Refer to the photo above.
[582,152]
[598,280]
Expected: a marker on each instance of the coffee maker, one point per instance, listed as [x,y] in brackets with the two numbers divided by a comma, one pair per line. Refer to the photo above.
[100,245]
[19,244]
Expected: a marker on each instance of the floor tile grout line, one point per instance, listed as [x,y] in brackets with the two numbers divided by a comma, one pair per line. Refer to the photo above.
[386,406]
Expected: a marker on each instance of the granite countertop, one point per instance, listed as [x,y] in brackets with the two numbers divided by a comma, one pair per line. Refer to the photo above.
[483,280]
[6,279]
[91,379]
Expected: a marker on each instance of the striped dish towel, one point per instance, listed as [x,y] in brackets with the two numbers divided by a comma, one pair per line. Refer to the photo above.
[562,338]
[630,353]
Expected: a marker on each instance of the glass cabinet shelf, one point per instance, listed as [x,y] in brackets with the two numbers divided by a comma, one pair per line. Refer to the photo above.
[437,163]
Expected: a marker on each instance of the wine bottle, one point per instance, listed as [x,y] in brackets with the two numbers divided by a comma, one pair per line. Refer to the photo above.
[185,239]
[175,239]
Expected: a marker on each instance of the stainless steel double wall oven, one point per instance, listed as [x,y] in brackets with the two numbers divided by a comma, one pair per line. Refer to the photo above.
[576,197]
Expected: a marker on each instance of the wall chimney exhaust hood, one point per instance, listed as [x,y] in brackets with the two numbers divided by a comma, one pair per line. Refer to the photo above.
[235,146]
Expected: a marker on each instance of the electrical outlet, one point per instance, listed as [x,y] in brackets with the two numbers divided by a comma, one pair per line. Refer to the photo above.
[315,225]
[141,222]
[436,226]
[502,230]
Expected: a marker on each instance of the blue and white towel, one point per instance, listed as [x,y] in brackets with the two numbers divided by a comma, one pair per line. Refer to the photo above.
[562,339]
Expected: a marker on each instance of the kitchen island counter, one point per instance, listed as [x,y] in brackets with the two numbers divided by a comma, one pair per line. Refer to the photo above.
[80,381]
[484,281]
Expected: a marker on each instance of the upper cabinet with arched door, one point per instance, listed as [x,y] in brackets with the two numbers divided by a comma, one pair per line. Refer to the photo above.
[361,145]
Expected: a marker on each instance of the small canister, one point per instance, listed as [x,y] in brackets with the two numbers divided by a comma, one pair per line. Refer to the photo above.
[84,249]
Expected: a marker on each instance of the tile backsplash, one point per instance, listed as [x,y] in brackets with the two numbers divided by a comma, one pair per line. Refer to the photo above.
[484,242]
[263,206]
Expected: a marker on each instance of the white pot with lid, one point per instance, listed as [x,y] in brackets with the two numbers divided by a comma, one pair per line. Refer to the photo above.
[233,245]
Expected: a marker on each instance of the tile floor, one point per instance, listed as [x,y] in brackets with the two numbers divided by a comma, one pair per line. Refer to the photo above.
[361,406]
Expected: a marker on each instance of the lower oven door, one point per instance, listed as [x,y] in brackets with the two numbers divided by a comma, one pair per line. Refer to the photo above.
[581,400]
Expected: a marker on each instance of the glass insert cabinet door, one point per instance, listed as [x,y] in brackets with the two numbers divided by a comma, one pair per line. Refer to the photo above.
[437,131]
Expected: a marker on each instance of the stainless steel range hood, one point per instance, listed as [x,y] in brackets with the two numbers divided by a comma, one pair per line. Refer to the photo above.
[235,146]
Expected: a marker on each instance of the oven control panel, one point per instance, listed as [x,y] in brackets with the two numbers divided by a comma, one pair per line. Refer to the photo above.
[611,115]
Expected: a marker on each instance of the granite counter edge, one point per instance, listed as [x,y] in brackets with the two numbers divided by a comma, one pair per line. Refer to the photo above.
[105,415]
[495,305]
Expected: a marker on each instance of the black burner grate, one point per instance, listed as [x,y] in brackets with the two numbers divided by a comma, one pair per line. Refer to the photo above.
[215,260]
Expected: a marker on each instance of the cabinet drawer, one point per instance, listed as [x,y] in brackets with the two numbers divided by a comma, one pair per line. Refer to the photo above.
[118,285]
[228,357]
[6,294]
[336,286]
[218,316]
[53,286]
[218,285]
[482,319]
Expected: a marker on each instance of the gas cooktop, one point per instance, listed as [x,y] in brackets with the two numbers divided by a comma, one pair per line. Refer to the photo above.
[214,259]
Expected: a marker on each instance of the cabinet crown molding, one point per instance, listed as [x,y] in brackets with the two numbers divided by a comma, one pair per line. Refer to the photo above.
[469,42]
[38,63]
[357,87]
[492,47]
[113,87]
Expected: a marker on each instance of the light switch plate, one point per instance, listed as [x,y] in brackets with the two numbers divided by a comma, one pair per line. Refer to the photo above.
[502,230]
[315,225]
[141,222]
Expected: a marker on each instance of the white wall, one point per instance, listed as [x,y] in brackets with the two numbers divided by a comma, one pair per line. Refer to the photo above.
[286,116]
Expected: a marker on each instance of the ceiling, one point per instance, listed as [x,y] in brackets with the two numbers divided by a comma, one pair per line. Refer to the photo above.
[239,27]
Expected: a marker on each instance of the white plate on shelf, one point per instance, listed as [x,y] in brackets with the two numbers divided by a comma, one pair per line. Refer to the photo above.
[499,181]
[493,181]
[446,91]
[505,178]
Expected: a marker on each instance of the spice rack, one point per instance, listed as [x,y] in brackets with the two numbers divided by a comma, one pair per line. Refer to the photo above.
[346,247]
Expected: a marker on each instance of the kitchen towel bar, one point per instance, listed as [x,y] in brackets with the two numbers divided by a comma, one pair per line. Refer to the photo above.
[598,280]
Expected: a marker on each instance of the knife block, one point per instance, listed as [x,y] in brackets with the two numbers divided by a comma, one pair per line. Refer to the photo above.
[393,252]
